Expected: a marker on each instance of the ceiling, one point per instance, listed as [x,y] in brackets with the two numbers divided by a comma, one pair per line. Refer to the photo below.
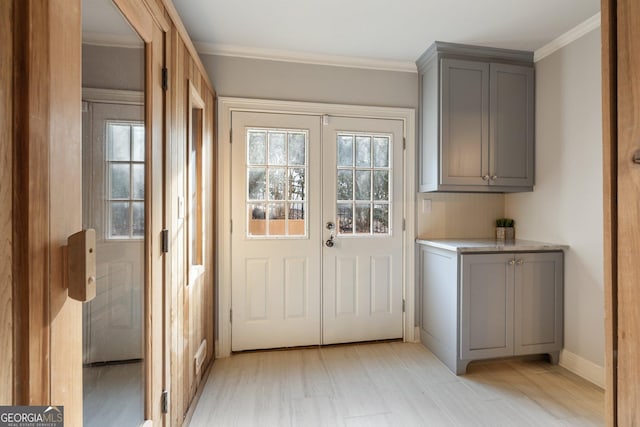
[395,30]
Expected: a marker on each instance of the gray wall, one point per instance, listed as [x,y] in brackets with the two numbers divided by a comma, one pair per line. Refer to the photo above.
[256,78]
[566,206]
[112,67]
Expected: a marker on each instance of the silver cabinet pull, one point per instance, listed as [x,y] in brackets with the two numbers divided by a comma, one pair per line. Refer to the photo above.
[512,262]
[494,177]
[485,177]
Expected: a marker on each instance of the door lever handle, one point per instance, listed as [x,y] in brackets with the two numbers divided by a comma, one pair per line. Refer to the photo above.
[329,242]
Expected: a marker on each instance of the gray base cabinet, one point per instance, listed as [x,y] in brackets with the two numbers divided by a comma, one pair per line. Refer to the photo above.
[483,306]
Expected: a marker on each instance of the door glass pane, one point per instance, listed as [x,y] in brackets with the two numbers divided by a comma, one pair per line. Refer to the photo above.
[277,148]
[277,226]
[296,184]
[120,180]
[257,148]
[381,185]
[281,179]
[119,142]
[137,148]
[363,218]
[381,152]
[296,215]
[138,219]
[137,180]
[345,218]
[345,150]
[297,149]
[363,183]
[380,219]
[345,185]
[276,184]
[257,184]
[120,219]
[256,212]
[363,151]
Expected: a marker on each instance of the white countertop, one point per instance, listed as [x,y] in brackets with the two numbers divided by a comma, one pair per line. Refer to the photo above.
[490,245]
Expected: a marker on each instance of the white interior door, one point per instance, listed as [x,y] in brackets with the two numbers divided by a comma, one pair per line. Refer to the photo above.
[363,214]
[292,178]
[114,153]
[276,240]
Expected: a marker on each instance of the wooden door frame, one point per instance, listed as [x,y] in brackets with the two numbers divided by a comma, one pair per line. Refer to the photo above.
[226,105]
[610,182]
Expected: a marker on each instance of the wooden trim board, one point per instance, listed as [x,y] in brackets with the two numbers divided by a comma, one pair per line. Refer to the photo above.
[610,174]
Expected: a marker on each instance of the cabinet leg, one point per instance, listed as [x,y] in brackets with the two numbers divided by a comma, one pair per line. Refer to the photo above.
[554,357]
[461,366]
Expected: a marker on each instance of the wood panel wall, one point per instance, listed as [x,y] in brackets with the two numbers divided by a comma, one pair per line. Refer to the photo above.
[192,313]
[6,211]
[40,192]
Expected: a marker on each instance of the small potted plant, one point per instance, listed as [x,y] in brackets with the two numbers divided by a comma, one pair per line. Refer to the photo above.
[505,229]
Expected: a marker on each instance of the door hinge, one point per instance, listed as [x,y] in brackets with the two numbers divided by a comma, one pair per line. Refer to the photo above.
[165,241]
[403,305]
[165,78]
[231,227]
[164,401]
[230,315]
[404,224]
[404,143]
[230,136]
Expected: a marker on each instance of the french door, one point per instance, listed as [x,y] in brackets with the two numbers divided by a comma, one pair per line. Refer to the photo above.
[317,230]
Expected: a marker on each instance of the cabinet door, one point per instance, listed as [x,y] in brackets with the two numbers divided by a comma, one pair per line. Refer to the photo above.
[538,302]
[512,125]
[486,306]
[465,122]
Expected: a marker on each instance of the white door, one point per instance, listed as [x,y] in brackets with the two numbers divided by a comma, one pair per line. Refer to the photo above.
[362,210]
[276,237]
[292,179]
[113,193]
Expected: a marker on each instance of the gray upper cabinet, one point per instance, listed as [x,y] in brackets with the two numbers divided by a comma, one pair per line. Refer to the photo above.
[476,119]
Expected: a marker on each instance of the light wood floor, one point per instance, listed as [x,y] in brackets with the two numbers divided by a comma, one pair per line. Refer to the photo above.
[113,395]
[390,384]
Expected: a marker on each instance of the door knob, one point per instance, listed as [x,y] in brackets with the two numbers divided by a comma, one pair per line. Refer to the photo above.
[331,225]
[329,242]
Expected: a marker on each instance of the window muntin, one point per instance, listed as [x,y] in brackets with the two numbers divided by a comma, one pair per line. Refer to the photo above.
[363,188]
[125,171]
[276,192]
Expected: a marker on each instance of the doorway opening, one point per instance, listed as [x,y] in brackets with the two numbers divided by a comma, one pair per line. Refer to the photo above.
[114,188]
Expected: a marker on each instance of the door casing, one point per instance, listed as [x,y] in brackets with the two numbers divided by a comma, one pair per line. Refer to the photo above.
[226,105]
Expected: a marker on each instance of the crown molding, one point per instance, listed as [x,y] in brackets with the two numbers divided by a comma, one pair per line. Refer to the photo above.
[304,57]
[129,41]
[568,37]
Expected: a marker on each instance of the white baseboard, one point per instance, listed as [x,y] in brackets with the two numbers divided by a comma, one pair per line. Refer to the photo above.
[582,367]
